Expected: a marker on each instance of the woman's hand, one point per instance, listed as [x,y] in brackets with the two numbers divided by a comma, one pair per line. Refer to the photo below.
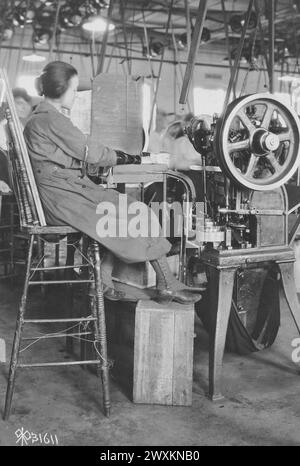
[127,159]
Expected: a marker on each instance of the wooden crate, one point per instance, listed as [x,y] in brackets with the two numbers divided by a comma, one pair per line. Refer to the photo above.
[163,353]
[151,347]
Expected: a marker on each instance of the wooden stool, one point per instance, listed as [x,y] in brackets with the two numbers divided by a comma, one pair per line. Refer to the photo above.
[97,318]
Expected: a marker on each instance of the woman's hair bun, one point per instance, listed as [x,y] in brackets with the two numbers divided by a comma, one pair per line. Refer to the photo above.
[54,79]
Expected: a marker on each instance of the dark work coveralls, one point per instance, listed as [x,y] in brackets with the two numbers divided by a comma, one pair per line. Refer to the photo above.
[56,149]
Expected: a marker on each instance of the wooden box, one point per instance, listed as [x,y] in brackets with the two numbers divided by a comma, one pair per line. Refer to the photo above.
[163,353]
[140,275]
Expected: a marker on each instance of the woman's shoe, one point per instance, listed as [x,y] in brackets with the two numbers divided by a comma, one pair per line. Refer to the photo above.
[171,289]
[180,296]
[113,294]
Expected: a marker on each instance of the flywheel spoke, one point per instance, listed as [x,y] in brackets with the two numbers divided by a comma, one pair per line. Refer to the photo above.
[274,162]
[285,136]
[246,120]
[251,166]
[238,145]
[267,117]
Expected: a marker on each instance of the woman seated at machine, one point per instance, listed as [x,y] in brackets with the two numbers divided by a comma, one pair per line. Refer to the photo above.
[23,103]
[58,150]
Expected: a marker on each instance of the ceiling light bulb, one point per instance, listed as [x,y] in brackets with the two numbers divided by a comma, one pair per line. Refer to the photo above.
[34,58]
[97,24]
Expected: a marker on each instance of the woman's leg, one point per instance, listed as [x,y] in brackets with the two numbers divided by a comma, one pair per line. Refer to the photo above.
[107,266]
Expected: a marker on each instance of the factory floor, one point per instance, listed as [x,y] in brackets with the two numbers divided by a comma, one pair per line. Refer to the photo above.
[261,405]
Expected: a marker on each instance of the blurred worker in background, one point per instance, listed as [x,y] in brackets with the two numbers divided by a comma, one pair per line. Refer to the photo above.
[176,143]
[23,103]
[24,107]
[155,136]
[4,177]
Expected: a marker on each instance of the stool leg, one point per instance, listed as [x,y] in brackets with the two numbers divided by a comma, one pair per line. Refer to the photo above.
[87,274]
[69,292]
[41,254]
[69,302]
[12,242]
[56,260]
[100,328]
[17,337]
[69,275]
[83,351]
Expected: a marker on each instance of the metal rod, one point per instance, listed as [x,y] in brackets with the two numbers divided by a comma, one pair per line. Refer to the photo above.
[125,36]
[92,54]
[55,29]
[234,71]
[271,6]
[19,60]
[188,23]
[228,44]
[104,41]
[182,253]
[41,321]
[149,60]
[43,337]
[177,59]
[160,67]
[188,31]
[60,267]
[137,58]
[202,9]
[53,364]
[57,282]
[261,32]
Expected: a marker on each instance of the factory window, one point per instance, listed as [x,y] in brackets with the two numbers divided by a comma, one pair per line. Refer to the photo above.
[208,100]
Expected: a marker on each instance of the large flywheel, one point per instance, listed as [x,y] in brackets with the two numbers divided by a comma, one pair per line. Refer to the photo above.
[257,142]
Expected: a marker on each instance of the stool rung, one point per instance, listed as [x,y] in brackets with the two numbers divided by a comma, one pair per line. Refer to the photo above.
[59,267]
[40,321]
[65,363]
[57,282]
[38,337]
